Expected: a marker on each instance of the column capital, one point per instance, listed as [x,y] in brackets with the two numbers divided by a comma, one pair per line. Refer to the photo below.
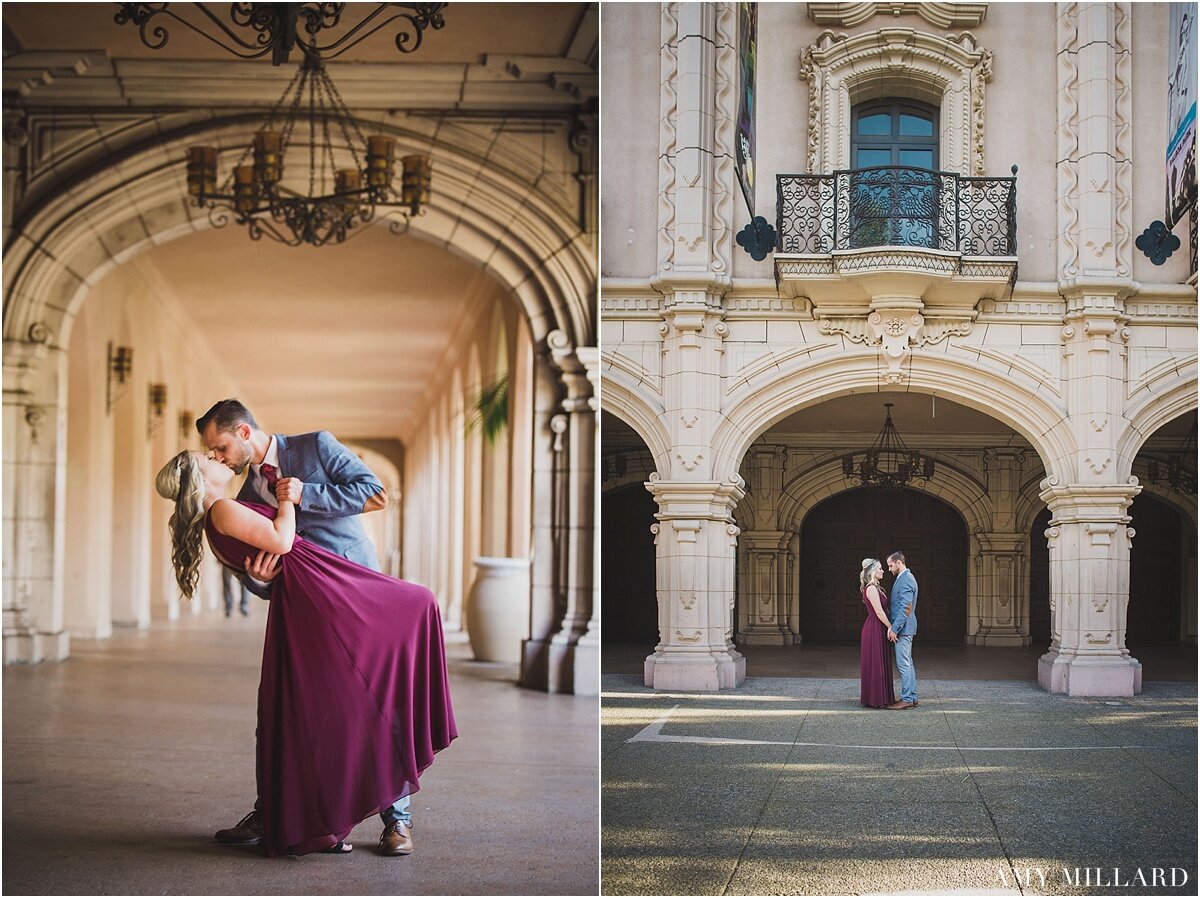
[1002,543]
[703,499]
[1076,502]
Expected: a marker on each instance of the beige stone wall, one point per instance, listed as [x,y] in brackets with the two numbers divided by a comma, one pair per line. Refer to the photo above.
[1085,356]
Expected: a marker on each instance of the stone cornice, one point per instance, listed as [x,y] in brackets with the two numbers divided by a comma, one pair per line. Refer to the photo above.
[940,15]
[501,82]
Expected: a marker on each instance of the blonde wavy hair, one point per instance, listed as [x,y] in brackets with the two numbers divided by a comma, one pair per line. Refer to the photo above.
[867,576]
[180,480]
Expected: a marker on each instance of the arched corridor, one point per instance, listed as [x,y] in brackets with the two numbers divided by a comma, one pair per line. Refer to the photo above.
[385,340]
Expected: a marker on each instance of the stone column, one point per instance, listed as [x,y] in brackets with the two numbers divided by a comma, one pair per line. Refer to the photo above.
[1089,540]
[695,540]
[695,535]
[586,679]
[34,499]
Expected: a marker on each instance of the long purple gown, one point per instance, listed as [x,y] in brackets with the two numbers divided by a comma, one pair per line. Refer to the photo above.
[354,698]
[875,657]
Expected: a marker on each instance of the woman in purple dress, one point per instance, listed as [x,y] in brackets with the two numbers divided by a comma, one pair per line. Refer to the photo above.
[354,698]
[875,656]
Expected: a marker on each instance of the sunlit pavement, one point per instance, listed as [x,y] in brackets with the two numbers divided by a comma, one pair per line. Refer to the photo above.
[789,786]
[121,763]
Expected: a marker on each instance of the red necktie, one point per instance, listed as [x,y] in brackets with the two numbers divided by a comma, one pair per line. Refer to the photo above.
[271,475]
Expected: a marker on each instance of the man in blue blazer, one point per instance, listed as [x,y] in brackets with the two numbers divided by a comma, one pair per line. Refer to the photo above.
[903,611]
[330,486]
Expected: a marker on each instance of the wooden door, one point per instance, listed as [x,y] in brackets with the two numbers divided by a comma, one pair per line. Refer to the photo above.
[840,532]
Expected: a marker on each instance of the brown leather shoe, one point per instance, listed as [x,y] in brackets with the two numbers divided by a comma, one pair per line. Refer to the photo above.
[899,706]
[249,831]
[396,839]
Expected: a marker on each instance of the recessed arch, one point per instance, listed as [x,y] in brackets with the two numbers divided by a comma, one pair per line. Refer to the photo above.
[755,407]
[490,217]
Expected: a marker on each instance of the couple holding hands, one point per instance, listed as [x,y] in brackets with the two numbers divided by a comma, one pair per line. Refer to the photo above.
[889,619]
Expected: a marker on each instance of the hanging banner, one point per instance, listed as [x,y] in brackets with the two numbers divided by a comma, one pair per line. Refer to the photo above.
[1181,113]
[747,54]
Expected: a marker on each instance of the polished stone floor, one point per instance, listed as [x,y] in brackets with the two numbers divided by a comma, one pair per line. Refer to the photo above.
[120,763]
[788,786]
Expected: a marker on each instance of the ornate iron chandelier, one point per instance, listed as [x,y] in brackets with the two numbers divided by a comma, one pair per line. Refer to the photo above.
[889,463]
[1175,469]
[338,197]
[277,26]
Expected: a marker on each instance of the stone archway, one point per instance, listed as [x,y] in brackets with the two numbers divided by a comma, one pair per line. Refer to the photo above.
[97,219]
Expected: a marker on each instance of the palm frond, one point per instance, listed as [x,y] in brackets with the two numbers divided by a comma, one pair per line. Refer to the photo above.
[487,409]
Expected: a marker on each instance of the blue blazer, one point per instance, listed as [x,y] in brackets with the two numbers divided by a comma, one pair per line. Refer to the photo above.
[904,592]
[337,488]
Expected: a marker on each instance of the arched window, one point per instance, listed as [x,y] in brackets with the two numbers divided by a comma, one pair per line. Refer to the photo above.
[895,132]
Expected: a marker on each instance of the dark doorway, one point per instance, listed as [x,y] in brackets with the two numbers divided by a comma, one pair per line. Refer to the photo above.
[628,603]
[840,532]
[1155,573]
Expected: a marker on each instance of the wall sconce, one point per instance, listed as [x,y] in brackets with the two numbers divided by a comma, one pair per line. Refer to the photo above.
[186,417]
[120,366]
[156,404]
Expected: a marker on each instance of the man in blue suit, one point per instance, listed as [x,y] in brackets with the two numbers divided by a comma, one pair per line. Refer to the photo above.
[903,611]
[330,486]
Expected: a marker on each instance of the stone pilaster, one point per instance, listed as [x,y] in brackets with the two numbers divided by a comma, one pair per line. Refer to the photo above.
[577,482]
[1094,140]
[34,496]
[764,581]
[695,544]
[1001,576]
[1089,541]
[1002,581]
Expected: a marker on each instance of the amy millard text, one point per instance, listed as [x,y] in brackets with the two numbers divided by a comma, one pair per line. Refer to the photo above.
[1096,877]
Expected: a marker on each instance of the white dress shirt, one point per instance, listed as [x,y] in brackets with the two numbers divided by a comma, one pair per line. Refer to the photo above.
[259,483]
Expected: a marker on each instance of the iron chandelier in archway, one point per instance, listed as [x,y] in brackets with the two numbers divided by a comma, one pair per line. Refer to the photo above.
[341,193]
[277,26]
[889,463]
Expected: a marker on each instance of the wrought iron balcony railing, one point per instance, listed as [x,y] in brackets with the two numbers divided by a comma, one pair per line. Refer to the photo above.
[896,206]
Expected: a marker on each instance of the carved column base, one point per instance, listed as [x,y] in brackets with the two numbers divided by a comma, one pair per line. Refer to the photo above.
[673,670]
[587,665]
[31,648]
[1098,675]
[764,634]
[535,663]
[998,636]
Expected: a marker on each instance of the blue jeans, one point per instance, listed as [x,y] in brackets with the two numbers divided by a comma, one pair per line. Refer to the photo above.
[904,664]
[398,812]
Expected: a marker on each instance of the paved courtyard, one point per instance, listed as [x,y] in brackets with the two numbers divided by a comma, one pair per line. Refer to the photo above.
[789,786]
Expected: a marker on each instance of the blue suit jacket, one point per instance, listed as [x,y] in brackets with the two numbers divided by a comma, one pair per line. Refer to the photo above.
[904,593]
[337,488]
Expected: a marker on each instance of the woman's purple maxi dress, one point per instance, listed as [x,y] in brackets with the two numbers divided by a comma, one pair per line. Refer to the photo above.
[875,657]
[354,698]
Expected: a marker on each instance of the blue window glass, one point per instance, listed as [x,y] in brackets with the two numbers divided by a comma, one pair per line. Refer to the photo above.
[915,125]
[917,158]
[868,158]
[879,124]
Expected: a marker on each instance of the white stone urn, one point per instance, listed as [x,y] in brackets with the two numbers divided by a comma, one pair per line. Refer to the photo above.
[498,608]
